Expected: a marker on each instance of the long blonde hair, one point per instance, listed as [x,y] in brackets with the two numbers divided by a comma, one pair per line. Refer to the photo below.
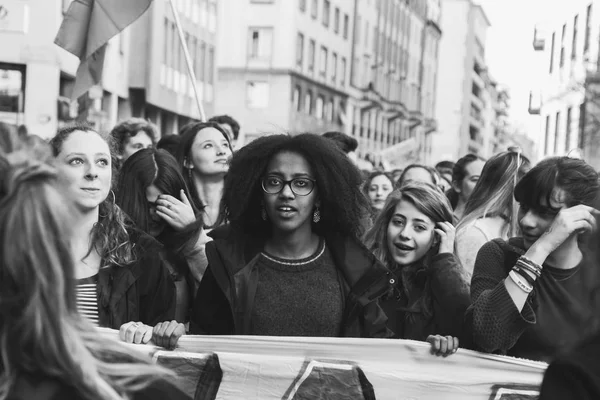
[41,331]
[493,194]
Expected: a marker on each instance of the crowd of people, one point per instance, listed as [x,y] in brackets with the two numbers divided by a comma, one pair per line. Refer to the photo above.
[284,236]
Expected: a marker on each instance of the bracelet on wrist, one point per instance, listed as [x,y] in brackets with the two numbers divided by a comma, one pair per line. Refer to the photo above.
[523,273]
[520,282]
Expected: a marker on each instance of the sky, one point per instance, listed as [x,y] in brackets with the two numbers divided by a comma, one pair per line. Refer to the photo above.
[509,51]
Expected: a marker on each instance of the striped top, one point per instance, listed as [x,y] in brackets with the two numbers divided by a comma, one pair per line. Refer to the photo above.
[87,298]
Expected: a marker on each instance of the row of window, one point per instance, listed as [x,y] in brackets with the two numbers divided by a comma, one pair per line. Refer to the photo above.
[568,137]
[203,12]
[326,15]
[320,108]
[574,40]
[328,70]
[202,55]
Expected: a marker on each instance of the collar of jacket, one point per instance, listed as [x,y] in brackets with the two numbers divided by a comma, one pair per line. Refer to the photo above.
[366,276]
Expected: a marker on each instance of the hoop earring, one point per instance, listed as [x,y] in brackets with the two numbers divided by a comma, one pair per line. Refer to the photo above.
[316,215]
[114,200]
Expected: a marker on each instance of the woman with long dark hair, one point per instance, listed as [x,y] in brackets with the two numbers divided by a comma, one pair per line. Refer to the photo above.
[153,193]
[377,187]
[203,156]
[530,294]
[413,236]
[120,275]
[465,175]
[491,211]
[49,350]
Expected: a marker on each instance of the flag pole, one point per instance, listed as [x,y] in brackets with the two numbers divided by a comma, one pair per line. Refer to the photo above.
[188,60]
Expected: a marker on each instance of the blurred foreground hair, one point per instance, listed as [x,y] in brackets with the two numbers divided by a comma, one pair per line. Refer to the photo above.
[41,331]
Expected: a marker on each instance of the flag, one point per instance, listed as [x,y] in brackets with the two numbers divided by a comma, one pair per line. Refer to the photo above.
[87,28]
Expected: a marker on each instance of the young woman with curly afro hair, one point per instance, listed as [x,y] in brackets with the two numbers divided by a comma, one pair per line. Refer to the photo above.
[290,262]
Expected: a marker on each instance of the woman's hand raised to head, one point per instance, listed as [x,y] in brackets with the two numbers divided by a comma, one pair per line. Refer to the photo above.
[135,332]
[569,221]
[443,345]
[446,233]
[167,334]
[177,213]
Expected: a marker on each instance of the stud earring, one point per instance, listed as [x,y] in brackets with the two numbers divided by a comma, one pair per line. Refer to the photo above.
[316,215]
[263,213]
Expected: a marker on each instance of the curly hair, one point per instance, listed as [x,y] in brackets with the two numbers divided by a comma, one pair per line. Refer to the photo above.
[110,235]
[435,206]
[346,143]
[342,204]
[129,128]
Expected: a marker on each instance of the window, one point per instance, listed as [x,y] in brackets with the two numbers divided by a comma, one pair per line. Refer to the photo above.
[302,5]
[260,43]
[552,52]
[329,110]
[346,22]
[547,136]
[311,55]
[366,33]
[308,102]
[300,50]
[556,132]
[343,72]
[202,57]
[336,20]
[326,9]
[334,67]
[574,40]
[323,61]
[314,10]
[296,98]
[568,131]
[257,94]
[588,23]
[562,45]
[212,17]
[319,107]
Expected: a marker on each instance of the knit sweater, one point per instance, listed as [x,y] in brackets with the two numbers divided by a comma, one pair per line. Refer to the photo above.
[298,297]
[553,316]
[449,295]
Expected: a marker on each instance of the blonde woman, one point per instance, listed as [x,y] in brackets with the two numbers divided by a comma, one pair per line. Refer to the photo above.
[49,351]
[490,212]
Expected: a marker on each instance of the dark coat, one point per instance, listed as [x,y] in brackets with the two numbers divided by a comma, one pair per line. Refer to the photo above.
[141,291]
[223,304]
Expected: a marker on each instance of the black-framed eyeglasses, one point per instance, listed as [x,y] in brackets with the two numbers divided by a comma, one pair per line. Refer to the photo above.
[299,186]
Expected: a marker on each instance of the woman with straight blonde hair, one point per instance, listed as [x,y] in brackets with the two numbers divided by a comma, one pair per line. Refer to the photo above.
[48,350]
[491,211]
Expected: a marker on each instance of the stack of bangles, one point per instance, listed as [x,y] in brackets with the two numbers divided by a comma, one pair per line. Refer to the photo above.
[524,274]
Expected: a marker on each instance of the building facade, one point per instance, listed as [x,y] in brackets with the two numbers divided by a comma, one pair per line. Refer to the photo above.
[564,97]
[392,79]
[465,107]
[144,71]
[286,64]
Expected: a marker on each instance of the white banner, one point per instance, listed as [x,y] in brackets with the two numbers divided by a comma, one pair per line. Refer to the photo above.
[265,368]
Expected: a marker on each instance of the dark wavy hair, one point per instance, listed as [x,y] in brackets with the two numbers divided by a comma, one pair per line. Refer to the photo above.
[577,178]
[435,206]
[342,204]
[459,173]
[109,236]
[188,134]
[159,168]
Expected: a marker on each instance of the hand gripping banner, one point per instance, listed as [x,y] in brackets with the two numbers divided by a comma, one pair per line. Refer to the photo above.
[277,368]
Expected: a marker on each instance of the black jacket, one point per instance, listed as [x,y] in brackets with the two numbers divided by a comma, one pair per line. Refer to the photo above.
[223,304]
[142,291]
